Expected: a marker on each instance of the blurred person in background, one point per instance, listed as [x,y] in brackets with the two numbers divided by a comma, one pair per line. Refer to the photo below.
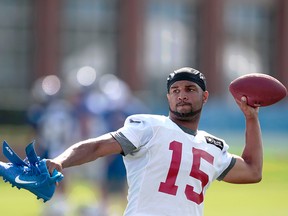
[170,162]
[56,126]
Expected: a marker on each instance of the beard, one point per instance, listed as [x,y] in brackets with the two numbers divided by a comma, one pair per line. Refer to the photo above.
[188,116]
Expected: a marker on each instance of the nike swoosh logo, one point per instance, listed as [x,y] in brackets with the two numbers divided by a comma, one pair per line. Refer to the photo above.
[19,181]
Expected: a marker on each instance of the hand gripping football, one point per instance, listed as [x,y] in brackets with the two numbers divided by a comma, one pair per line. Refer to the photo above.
[259,89]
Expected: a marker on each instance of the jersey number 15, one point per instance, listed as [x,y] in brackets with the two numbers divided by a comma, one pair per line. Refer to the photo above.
[169,185]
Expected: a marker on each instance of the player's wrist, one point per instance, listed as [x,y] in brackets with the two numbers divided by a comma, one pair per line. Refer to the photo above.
[252,121]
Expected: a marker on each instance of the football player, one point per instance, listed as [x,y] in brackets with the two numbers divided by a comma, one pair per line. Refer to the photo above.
[170,162]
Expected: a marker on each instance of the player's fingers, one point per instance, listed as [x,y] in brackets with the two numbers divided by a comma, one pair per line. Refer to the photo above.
[248,110]
[52,166]
[241,103]
[238,102]
[243,100]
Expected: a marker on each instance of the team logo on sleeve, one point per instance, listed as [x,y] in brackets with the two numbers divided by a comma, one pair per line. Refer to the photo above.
[134,121]
[213,141]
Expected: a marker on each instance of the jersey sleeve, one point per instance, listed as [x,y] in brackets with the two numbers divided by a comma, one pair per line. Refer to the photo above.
[228,168]
[226,162]
[136,133]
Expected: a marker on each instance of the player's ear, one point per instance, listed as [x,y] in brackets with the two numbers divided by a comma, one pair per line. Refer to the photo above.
[168,95]
[205,96]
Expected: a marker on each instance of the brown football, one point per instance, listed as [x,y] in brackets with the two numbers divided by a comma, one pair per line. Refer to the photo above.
[259,89]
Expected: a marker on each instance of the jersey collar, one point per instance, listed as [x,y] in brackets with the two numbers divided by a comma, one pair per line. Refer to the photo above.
[188,130]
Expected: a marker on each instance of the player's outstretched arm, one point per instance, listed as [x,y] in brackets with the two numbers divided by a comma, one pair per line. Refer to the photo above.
[248,167]
[84,152]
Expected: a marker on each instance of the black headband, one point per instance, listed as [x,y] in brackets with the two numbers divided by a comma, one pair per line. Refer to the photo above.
[189,74]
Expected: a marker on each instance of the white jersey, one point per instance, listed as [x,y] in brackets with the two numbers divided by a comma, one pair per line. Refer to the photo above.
[168,168]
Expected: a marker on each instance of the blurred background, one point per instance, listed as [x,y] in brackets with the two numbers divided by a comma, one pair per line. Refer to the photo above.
[72,70]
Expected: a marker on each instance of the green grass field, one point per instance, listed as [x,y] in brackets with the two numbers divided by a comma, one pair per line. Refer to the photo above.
[267,198]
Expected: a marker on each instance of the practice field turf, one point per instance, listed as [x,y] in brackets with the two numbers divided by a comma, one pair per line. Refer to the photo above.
[267,198]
